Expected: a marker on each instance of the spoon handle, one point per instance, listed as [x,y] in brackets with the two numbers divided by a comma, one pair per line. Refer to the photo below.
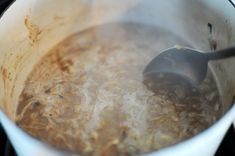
[220,54]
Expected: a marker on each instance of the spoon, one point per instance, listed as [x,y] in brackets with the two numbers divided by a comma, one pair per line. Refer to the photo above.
[183,63]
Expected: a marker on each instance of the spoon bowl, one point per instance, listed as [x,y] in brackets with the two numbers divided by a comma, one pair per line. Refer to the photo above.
[183,63]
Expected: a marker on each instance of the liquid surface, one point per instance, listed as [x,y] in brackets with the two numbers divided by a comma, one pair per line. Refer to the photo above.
[87,95]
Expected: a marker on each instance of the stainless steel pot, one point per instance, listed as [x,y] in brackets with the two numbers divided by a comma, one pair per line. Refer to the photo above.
[28,29]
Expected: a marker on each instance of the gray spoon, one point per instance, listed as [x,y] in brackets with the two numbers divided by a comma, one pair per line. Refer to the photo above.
[185,63]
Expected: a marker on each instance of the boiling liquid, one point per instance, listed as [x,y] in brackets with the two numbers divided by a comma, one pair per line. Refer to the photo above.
[87,95]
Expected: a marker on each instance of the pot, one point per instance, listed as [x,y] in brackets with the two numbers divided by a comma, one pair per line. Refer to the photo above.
[29,29]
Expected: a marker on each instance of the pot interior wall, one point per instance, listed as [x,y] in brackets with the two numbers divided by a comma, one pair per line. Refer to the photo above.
[29,33]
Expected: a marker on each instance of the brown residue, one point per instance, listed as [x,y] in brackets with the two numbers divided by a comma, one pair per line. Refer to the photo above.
[18,61]
[213,44]
[63,64]
[58,17]
[211,40]
[210,27]
[33,30]
[5,74]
